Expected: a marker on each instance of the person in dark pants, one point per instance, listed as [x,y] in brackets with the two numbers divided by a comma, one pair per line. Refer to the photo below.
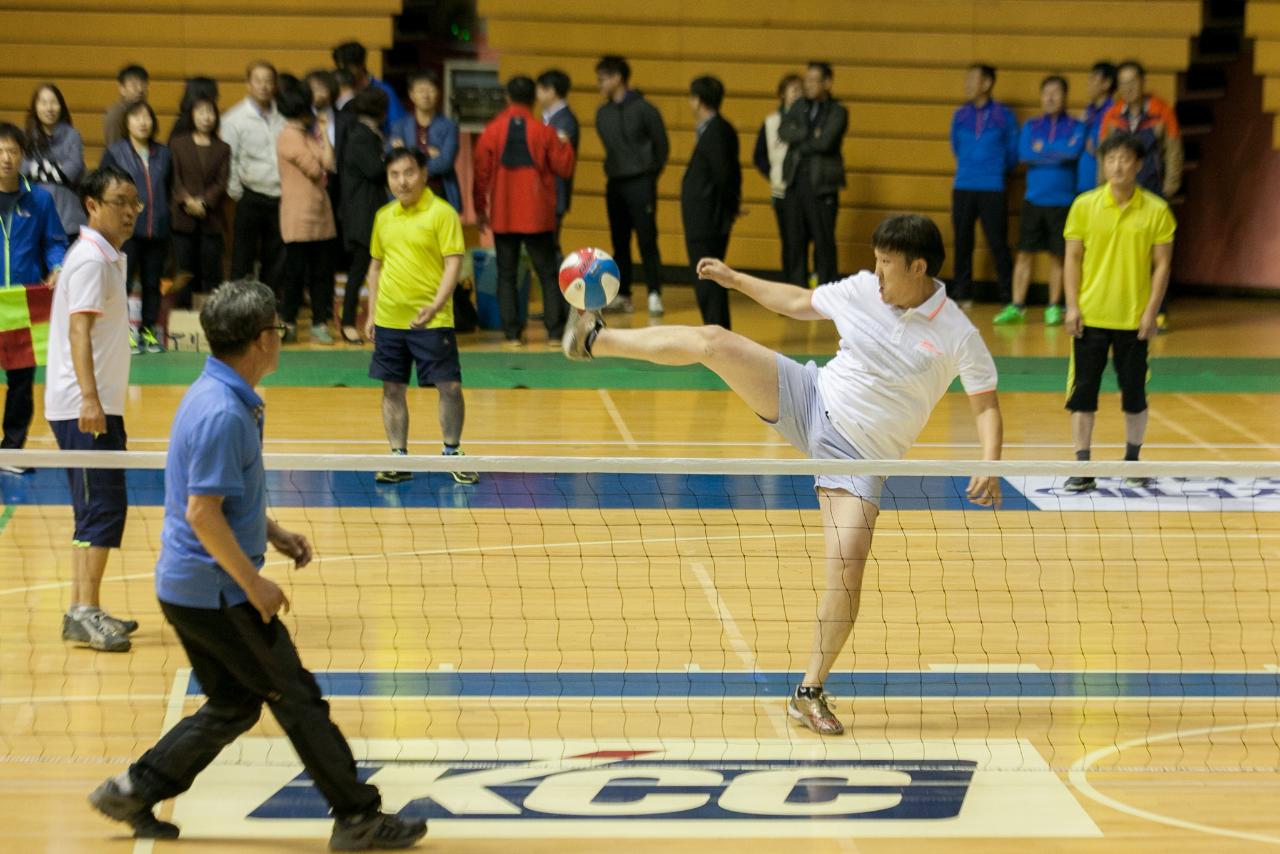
[710,194]
[553,89]
[201,164]
[635,153]
[364,191]
[517,160]
[814,131]
[984,140]
[770,156]
[225,613]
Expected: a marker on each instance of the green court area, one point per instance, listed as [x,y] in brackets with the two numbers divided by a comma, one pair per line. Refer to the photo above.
[350,368]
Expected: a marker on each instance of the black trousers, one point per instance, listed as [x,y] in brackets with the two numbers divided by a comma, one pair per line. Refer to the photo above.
[308,265]
[1089,360]
[355,278]
[256,239]
[19,406]
[242,663]
[713,300]
[967,207]
[200,254]
[786,264]
[542,252]
[146,259]
[810,216]
[632,205]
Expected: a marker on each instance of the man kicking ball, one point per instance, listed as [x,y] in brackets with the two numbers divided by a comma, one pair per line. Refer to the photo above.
[902,342]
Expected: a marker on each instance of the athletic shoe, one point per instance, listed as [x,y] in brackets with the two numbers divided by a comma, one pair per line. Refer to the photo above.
[620,304]
[1054,315]
[467,478]
[94,631]
[135,812]
[1139,482]
[124,627]
[577,333]
[1009,315]
[513,344]
[815,713]
[135,346]
[150,343]
[9,469]
[392,476]
[378,830]
[655,304]
[1080,484]
[321,335]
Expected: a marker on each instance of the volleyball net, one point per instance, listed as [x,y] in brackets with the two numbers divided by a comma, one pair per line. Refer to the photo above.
[651,600]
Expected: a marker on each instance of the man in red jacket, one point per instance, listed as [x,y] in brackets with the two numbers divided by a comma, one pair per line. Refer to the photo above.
[517,161]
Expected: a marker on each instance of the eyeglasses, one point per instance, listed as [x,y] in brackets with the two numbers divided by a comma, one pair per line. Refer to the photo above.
[280,328]
[125,204]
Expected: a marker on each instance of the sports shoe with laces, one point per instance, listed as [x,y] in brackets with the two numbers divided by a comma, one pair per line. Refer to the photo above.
[124,627]
[467,478]
[109,800]
[95,630]
[655,304]
[375,830]
[1010,314]
[1139,482]
[815,713]
[393,476]
[1054,315]
[150,343]
[1080,484]
[577,335]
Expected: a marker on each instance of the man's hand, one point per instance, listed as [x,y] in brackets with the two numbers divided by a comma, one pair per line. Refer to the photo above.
[268,598]
[52,281]
[368,329]
[424,316]
[397,142]
[1147,328]
[1074,324]
[292,545]
[482,220]
[984,491]
[92,419]
[432,151]
[715,270]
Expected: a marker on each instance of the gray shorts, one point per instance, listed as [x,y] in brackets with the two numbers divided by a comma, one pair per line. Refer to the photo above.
[803,422]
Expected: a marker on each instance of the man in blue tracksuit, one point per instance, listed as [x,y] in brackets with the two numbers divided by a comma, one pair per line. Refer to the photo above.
[984,140]
[1050,145]
[1102,90]
[34,245]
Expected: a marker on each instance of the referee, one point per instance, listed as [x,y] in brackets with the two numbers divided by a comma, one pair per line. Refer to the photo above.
[213,546]
[1119,251]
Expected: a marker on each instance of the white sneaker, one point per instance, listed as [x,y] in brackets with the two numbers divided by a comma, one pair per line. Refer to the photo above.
[655,304]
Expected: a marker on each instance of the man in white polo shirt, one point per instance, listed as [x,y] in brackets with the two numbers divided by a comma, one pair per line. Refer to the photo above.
[85,386]
[902,342]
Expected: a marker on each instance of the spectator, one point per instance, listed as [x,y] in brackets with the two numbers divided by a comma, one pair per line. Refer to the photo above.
[1050,145]
[352,57]
[201,166]
[324,91]
[635,153]
[984,140]
[150,165]
[434,134]
[197,89]
[769,156]
[86,383]
[251,128]
[134,83]
[813,130]
[364,192]
[1102,86]
[417,249]
[306,214]
[34,246]
[1155,124]
[710,194]
[1119,252]
[517,160]
[552,90]
[346,88]
[55,155]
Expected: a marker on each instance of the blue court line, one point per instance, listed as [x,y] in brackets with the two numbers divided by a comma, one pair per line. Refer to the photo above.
[862,684]
[534,491]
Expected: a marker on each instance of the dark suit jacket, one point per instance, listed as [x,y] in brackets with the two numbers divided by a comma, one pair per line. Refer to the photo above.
[208,183]
[567,123]
[364,183]
[711,191]
[814,146]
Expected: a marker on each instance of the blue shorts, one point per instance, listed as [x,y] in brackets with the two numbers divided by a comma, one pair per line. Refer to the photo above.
[98,496]
[803,422]
[434,351]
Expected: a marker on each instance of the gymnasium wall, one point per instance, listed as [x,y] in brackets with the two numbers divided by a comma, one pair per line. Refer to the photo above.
[898,68]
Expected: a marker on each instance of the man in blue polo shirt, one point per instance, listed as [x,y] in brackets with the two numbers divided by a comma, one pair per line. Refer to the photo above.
[213,546]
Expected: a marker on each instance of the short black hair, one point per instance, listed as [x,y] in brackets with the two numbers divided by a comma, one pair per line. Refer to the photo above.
[987,71]
[613,64]
[913,236]
[133,108]
[520,90]
[555,79]
[10,131]
[95,184]
[326,79]
[350,55]
[709,90]
[1108,73]
[294,102]
[132,71]
[1055,78]
[372,102]
[410,152]
[1122,139]
[824,67]
[235,314]
[343,78]
[1135,65]
[423,75]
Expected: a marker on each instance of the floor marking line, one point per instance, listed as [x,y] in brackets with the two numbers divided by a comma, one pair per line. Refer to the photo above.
[1170,424]
[618,421]
[172,714]
[1217,416]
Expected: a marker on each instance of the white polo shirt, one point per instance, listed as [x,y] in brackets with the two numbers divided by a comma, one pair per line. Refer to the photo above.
[894,365]
[92,281]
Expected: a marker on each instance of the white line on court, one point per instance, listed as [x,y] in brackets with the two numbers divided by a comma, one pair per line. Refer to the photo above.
[623,430]
[1170,424]
[1217,416]
[172,714]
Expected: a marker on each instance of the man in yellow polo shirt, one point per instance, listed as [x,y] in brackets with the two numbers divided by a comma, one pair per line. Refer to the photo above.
[416,250]
[1119,251]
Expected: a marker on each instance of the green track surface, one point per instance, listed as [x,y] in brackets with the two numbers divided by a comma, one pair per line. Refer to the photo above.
[349,368]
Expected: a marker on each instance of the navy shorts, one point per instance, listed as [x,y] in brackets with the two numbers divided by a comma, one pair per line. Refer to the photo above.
[434,351]
[98,496]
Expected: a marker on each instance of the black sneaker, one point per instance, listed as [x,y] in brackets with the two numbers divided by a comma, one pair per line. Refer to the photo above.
[135,812]
[394,476]
[1080,484]
[466,478]
[375,830]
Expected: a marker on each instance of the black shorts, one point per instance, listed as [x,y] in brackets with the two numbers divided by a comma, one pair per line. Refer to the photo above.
[434,351]
[99,499]
[1041,229]
[1089,360]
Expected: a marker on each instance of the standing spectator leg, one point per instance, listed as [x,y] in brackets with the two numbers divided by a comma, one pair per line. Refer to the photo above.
[620,227]
[642,200]
[19,406]
[713,300]
[964,216]
[542,253]
[246,236]
[507,249]
[796,244]
[993,210]
[355,280]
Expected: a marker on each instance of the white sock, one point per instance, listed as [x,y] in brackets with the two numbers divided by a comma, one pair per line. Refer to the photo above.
[79,612]
[124,782]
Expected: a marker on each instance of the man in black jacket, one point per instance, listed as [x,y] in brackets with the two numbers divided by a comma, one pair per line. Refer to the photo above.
[635,152]
[552,90]
[814,130]
[710,193]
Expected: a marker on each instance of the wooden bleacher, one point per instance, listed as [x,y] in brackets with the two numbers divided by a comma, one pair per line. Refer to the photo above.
[1262,24]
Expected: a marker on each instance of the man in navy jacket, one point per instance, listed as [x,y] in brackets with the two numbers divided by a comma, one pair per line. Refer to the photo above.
[553,88]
